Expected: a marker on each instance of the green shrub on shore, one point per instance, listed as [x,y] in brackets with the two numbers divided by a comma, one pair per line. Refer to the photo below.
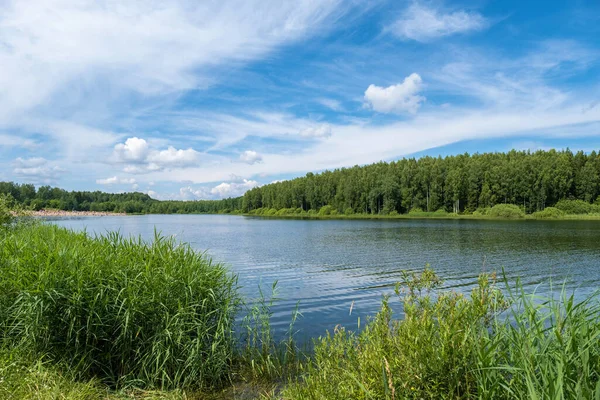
[6,217]
[427,354]
[449,346]
[126,312]
[506,211]
[577,207]
[549,213]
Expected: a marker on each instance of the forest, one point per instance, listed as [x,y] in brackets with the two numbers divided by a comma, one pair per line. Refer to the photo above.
[460,184]
[27,196]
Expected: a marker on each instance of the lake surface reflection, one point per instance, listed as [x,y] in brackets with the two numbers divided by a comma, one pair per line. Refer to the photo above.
[328,266]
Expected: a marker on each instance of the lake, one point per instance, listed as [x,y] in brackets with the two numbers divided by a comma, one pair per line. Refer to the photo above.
[331,266]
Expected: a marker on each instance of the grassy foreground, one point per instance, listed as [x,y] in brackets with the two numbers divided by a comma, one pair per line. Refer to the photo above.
[114,318]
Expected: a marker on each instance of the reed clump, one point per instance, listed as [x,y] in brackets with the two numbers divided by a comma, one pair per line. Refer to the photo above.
[448,346]
[122,311]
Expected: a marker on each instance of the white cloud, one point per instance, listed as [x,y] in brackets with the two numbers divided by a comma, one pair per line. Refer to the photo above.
[233,189]
[134,149]
[37,170]
[332,104]
[148,47]
[140,158]
[116,181]
[250,157]
[172,157]
[321,131]
[399,98]
[423,24]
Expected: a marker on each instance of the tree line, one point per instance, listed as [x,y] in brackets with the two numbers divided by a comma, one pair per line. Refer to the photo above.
[461,183]
[51,197]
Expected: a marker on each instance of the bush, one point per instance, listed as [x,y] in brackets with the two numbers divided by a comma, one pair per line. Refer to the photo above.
[349,211]
[482,211]
[441,211]
[127,312]
[575,207]
[416,210]
[508,211]
[326,210]
[549,213]
[394,213]
[428,354]
[450,346]
[6,216]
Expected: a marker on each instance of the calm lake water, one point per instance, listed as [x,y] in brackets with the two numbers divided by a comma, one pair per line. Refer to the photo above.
[328,266]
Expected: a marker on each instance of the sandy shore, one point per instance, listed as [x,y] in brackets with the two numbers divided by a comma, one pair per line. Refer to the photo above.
[61,213]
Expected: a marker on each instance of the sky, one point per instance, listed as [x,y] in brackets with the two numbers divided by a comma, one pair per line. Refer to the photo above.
[187,99]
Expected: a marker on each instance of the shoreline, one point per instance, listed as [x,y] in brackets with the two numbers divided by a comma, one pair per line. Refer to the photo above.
[61,213]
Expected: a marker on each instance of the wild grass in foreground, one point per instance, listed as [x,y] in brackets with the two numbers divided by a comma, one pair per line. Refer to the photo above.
[450,346]
[118,310]
[115,318]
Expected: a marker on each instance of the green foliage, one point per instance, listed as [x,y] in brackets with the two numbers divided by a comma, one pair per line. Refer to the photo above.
[24,379]
[326,210]
[463,183]
[349,211]
[549,213]
[262,357]
[507,211]
[482,211]
[127,312]
[428,354]
[55,198]
[6,216]
[547,348]
[448,346]
[576,207]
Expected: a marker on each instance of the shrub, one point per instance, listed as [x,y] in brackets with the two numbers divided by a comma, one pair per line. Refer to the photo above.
[416,210]
[394,213]
[6,216]
[326,210]
[508,211]
[349,211]
[441,211]
[549,213]
[482,211]
[124,311]
[428,354]
[575,207]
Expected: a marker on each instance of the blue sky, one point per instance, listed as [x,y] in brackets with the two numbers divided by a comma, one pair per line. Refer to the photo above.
[198,100]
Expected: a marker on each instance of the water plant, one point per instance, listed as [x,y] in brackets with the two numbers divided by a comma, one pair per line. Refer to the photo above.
[127,312]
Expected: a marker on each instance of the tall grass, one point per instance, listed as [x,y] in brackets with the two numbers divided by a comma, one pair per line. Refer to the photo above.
[450,346]
[121,310]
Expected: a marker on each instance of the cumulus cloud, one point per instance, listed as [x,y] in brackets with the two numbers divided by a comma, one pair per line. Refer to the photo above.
[424,24]
[233,189]
[400,98]
[134,149]
[115,181]
[140,158]
[172,157]
[37,170]
[250,157]
[321,131]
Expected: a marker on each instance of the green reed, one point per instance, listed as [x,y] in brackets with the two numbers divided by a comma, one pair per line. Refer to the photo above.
[121,310]
[449,346]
